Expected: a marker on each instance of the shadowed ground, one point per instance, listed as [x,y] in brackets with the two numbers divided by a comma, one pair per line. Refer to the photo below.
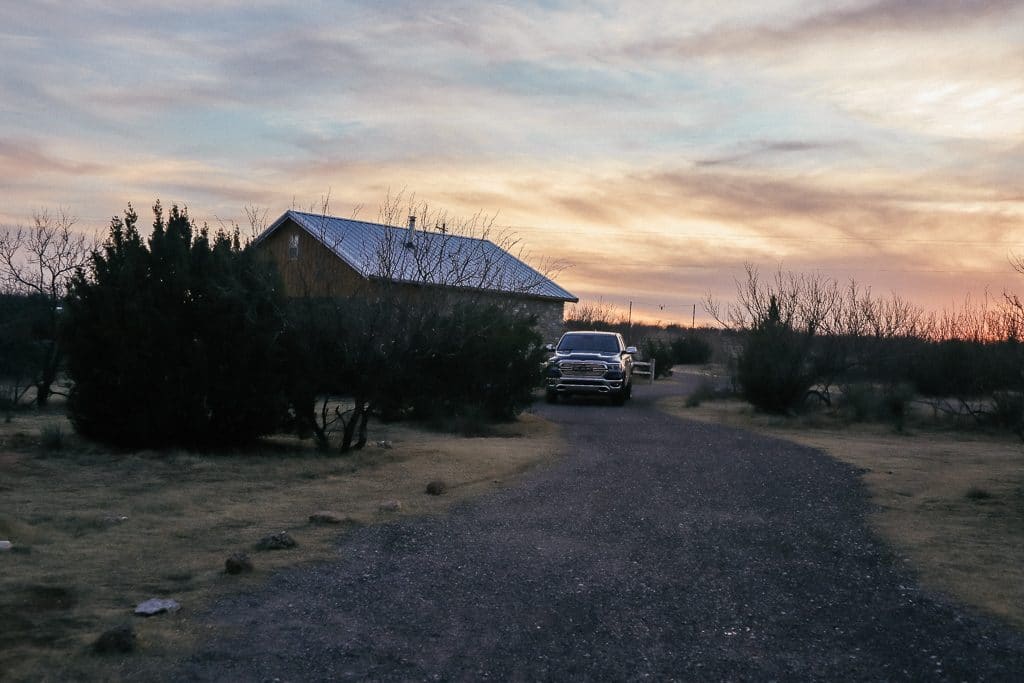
[657,547]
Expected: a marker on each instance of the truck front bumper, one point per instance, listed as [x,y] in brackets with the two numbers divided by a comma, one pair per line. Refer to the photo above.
[572,385]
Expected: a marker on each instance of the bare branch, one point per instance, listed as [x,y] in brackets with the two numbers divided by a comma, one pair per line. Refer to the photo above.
[41,259]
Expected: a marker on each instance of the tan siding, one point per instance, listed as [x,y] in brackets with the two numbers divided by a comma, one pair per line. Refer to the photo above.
[317,272]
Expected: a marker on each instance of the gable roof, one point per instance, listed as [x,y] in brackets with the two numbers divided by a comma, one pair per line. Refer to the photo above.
[421,257]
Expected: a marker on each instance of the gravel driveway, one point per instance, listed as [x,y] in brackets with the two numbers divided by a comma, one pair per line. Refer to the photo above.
[657,548]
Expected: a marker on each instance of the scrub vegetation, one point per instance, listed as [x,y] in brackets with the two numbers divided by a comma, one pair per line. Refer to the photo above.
[808,342]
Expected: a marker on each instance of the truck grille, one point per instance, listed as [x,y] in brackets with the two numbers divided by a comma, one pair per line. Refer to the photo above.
[571,368]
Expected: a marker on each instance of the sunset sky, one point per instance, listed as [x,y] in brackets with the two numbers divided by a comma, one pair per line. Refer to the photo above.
[655,147]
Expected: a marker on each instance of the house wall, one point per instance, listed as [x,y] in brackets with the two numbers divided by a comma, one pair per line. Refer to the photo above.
[318,272]
[549,314]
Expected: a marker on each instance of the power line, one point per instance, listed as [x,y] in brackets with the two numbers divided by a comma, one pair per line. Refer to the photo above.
[739,266]
[736,238]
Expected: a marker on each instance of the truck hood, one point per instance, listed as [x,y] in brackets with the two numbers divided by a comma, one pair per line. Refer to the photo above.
[585,355]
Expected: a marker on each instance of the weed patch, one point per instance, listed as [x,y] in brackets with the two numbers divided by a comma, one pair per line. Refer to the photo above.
[975,493]
[52,438]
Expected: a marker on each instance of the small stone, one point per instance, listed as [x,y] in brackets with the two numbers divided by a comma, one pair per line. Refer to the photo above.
[239,563]
[327,517]
[391,506]
[118,639]
[384,444]
[5,545]
[156,606]
[280,541]
[114,519]
[436,488]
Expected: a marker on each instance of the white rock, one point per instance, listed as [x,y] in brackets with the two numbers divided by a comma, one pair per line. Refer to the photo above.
[328,517]
[6,545]
[156,606]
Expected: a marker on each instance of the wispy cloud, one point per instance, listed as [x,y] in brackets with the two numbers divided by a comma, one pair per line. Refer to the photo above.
[656,147]
[767,151]
[25,158]
[838,22]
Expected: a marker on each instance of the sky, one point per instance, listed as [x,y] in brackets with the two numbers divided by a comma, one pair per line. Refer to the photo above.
[653,148]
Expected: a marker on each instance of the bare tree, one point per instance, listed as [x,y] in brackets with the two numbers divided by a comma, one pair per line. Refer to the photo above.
[804,302]
[452,252]
[41,259]
[843,333]
[38,261]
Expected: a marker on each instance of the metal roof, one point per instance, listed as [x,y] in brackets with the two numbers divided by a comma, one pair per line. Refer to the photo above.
[422,257]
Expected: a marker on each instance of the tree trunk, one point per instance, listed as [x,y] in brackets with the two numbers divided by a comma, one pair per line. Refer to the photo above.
[362,428]
[356,420]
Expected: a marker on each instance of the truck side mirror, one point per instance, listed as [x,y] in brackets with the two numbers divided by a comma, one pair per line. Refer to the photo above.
[549,347]
[630,349]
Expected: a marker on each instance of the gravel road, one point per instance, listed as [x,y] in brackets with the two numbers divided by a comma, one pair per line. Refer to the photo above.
[656,548]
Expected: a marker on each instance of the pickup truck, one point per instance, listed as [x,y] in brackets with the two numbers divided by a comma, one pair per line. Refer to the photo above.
[590,363]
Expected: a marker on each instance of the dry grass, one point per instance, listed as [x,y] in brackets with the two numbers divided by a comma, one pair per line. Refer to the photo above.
[96,532]
[952,503]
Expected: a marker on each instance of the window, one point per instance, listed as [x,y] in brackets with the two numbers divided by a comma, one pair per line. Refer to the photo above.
[293,248]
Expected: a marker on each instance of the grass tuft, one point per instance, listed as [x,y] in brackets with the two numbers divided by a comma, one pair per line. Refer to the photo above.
[51,438]
[707,390]
[977,493]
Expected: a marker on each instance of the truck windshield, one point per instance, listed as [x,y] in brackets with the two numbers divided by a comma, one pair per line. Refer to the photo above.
[593,343]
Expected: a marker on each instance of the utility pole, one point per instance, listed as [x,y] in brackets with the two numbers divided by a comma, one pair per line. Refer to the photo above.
[693,320]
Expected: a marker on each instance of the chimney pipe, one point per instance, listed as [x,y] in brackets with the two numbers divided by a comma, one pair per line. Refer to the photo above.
[410,243]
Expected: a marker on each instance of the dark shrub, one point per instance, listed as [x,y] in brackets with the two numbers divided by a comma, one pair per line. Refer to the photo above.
[864,401]
[707,390]
[474,360]
[456,365]
[977,493]
[860,401]
[1008,410]
[436,488]
[966,369]
[174,340]
[51,438]
[896,404]
[661,354]
[26,345]
[773,370]
[690,350]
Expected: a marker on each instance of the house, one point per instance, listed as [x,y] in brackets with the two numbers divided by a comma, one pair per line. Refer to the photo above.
[325,256]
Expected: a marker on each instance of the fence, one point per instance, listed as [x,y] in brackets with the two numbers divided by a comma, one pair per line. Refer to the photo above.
[645,369]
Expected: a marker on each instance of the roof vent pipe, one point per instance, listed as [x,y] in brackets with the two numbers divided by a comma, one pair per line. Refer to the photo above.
[409,233]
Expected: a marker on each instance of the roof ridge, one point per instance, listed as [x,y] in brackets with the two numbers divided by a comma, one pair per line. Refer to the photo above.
[395,227]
